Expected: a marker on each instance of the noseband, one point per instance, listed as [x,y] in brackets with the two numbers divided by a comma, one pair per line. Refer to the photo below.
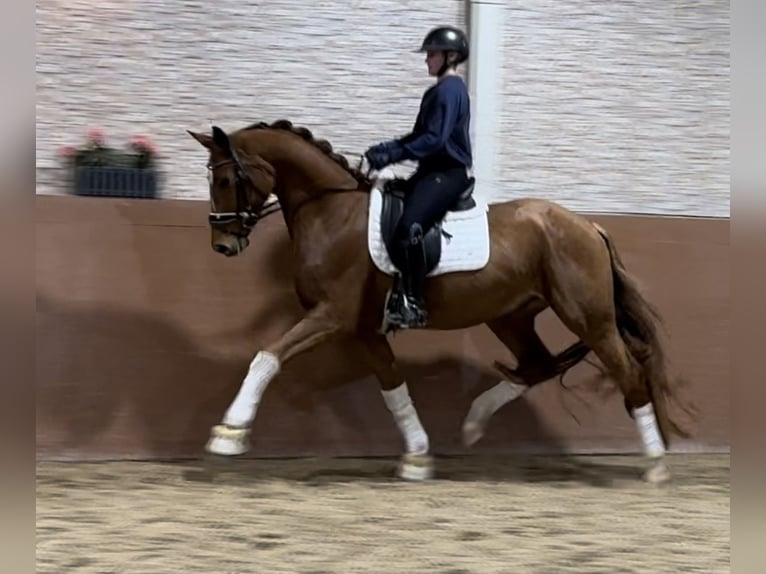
[244,213]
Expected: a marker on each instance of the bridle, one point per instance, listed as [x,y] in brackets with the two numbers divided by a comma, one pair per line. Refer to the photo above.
[244,213]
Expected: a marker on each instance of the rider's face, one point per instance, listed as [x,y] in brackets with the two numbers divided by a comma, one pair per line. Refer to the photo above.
[434,60]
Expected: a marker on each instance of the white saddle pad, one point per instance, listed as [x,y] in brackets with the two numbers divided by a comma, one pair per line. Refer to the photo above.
[466,250]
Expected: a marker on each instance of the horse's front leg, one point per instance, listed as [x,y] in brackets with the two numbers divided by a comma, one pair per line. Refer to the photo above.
[416,464]
[231,437]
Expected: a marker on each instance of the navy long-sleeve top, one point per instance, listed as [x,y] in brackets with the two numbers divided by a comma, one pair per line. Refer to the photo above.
[441,127]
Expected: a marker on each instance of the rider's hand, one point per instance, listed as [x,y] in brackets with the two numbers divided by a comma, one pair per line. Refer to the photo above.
[383,154]
[378,158]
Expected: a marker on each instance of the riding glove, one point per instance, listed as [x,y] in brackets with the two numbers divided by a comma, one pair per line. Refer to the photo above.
[384,153]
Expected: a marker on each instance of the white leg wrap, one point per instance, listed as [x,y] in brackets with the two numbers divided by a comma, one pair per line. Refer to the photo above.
[649,431]
[400,404]
[263,368]
[485,405]
[488,403]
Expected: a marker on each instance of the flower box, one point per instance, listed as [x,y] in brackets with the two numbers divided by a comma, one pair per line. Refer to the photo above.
[99,170]
[115,182]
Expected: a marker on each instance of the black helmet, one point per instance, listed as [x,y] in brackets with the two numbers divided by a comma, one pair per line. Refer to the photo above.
[447,38]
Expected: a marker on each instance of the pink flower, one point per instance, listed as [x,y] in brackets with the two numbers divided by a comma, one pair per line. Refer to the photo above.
[67,151]
[96,136]
[143,143]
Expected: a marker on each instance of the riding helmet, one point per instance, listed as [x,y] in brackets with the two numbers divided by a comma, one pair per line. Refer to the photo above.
[447,38]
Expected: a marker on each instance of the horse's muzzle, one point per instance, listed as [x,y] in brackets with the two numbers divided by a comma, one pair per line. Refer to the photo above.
[231,245]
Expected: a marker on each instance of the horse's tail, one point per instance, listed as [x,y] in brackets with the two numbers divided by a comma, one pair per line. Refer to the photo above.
[639,322]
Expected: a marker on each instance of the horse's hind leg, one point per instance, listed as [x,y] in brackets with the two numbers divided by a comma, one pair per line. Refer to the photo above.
[517,332]
[613,353]
[416,464]
[535,365]
[597,327]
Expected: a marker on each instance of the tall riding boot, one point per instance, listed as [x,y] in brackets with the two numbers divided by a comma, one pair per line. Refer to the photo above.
[414,309]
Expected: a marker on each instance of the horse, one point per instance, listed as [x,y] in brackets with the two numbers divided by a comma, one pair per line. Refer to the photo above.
[511,260]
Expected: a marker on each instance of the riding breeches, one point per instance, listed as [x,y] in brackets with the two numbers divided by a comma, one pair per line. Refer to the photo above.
[428,198]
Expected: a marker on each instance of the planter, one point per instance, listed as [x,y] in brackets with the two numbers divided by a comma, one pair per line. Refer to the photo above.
[116,182]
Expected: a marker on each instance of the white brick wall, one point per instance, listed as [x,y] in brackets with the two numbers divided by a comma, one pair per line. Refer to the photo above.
[346,70]
[617,106]
[598,118]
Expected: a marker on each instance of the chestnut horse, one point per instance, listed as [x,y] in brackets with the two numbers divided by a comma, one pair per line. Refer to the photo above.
[538,255]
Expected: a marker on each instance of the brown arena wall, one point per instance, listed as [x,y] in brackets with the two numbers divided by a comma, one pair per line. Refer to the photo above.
[144,334]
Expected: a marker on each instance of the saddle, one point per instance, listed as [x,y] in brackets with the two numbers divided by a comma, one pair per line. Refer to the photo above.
[391,212]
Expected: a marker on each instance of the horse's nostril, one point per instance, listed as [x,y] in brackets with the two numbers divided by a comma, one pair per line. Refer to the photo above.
[225,250]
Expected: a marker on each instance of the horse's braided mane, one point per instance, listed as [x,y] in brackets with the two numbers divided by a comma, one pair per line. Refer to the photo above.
[323,145]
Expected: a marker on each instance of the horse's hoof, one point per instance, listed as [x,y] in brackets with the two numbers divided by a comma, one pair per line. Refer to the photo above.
[416,467]
[472,432]
[657,474]
[228,441]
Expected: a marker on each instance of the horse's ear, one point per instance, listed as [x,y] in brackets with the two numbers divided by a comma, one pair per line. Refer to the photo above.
[221,139]
[204,139]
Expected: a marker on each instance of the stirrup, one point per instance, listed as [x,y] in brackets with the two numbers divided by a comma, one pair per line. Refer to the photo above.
[408,314]
[391,305]
[401,311]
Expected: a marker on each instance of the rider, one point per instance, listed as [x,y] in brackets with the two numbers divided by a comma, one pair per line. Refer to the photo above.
[440,142]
